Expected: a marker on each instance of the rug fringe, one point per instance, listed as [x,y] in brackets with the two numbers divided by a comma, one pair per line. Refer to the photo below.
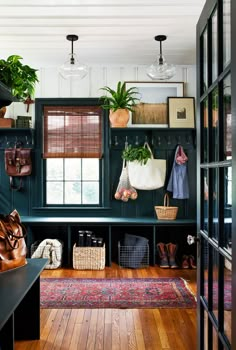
[188,287]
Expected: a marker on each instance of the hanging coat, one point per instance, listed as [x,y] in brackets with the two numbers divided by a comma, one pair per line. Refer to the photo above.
[178,182]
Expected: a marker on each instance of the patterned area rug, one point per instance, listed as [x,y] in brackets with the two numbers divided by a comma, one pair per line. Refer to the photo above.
[76,293]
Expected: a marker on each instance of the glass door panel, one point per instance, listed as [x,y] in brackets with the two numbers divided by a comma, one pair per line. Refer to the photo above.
[227,237]
[215,340]
[206,322]
[205,262]
[205,133]
[214,46]
[227,118]
[215,284]
[226,32]
[215,204]
[206,201]
[227,299]
[205,55]
[215,127]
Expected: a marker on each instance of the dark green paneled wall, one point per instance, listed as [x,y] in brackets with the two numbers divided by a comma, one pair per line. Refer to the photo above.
[163,143]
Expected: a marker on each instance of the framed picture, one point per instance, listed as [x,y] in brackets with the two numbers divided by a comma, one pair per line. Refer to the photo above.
[151,111]
[181,112]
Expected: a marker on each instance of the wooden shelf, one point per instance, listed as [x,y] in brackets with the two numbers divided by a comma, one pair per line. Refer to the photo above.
[149,128]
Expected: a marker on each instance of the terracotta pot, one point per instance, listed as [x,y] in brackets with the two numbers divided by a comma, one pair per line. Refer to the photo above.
[119,118]
[2,112]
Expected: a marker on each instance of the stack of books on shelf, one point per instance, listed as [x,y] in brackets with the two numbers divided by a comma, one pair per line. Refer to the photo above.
[23,121]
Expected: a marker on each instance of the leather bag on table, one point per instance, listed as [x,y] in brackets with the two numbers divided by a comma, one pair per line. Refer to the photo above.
[18,164]
[13,248]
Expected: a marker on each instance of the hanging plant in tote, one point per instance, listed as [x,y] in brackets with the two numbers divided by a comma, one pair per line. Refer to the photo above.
[140,154]
[145,172]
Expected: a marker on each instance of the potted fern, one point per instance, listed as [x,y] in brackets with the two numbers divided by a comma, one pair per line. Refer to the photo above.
[119,102]
[19,78]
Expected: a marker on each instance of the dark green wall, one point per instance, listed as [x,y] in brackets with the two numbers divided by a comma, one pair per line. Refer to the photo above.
[163,143]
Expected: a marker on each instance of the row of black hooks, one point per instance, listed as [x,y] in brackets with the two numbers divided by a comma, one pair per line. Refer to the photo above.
[10,142]
[158,140]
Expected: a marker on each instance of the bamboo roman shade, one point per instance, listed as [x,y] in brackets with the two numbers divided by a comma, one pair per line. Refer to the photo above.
[72,132]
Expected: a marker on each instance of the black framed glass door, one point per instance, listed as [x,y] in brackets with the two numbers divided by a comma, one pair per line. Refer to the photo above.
[215,180]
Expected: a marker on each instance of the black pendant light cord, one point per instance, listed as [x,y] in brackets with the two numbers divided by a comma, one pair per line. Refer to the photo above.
[160,38]
[72,60]
[72,38]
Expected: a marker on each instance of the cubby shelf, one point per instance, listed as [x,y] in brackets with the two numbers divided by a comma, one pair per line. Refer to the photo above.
[111,229]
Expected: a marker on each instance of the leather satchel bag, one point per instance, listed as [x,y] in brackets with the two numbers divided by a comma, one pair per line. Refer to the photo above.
[18,164]
[13,248]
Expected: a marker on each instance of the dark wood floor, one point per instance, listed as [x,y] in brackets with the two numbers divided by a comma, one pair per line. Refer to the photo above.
[117,329]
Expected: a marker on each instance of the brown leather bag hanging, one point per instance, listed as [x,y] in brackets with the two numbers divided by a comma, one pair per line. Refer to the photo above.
[18,164]
[13,248]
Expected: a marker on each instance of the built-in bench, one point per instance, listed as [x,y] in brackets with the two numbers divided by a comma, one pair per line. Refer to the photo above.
[111,229]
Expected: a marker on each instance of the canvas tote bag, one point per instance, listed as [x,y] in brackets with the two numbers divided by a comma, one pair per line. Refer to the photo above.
[149,176]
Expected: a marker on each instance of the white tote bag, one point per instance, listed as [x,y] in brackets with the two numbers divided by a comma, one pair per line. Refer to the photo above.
[149,176]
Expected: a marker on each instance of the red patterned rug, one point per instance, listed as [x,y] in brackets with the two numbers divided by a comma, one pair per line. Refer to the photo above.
[77,293]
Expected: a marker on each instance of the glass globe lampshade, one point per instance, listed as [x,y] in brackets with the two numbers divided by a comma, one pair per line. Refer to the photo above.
[160,69]
[72,67]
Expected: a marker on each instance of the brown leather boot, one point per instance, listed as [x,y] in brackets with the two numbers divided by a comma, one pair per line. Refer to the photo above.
[162,252]
[171,250]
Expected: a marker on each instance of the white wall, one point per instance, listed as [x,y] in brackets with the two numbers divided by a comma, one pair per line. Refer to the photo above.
[51,84]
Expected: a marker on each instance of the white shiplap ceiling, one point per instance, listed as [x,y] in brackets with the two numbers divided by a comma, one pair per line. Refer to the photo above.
[110,31]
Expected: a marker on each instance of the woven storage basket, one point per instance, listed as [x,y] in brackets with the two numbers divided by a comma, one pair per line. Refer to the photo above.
[166,212]
[89,258]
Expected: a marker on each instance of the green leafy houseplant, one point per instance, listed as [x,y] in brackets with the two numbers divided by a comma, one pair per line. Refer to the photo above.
[21,79]
[139,153]
[119,98]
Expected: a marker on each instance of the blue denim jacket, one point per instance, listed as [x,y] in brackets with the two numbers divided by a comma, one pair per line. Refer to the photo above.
[178,181]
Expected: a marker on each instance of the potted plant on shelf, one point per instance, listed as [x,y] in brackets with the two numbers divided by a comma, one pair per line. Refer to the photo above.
[119,102]
[19,78]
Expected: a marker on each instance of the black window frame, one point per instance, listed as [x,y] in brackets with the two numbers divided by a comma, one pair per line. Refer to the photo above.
[39,195]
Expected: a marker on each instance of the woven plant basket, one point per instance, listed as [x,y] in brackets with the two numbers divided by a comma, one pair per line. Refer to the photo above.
[166,212]
[89,258]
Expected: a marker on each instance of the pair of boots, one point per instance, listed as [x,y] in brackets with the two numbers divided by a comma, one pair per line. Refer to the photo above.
[188,262]
[167,254]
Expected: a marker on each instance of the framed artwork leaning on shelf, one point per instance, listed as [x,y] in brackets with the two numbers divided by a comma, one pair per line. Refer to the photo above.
[181,112]
[151,112]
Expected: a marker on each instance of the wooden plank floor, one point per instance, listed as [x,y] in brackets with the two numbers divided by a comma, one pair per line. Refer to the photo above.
[117,329]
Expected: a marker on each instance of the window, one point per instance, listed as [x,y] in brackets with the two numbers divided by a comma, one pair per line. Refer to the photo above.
[74,153]
[72,181]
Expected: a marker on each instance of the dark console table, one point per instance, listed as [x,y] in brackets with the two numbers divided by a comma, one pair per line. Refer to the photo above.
[20,303]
